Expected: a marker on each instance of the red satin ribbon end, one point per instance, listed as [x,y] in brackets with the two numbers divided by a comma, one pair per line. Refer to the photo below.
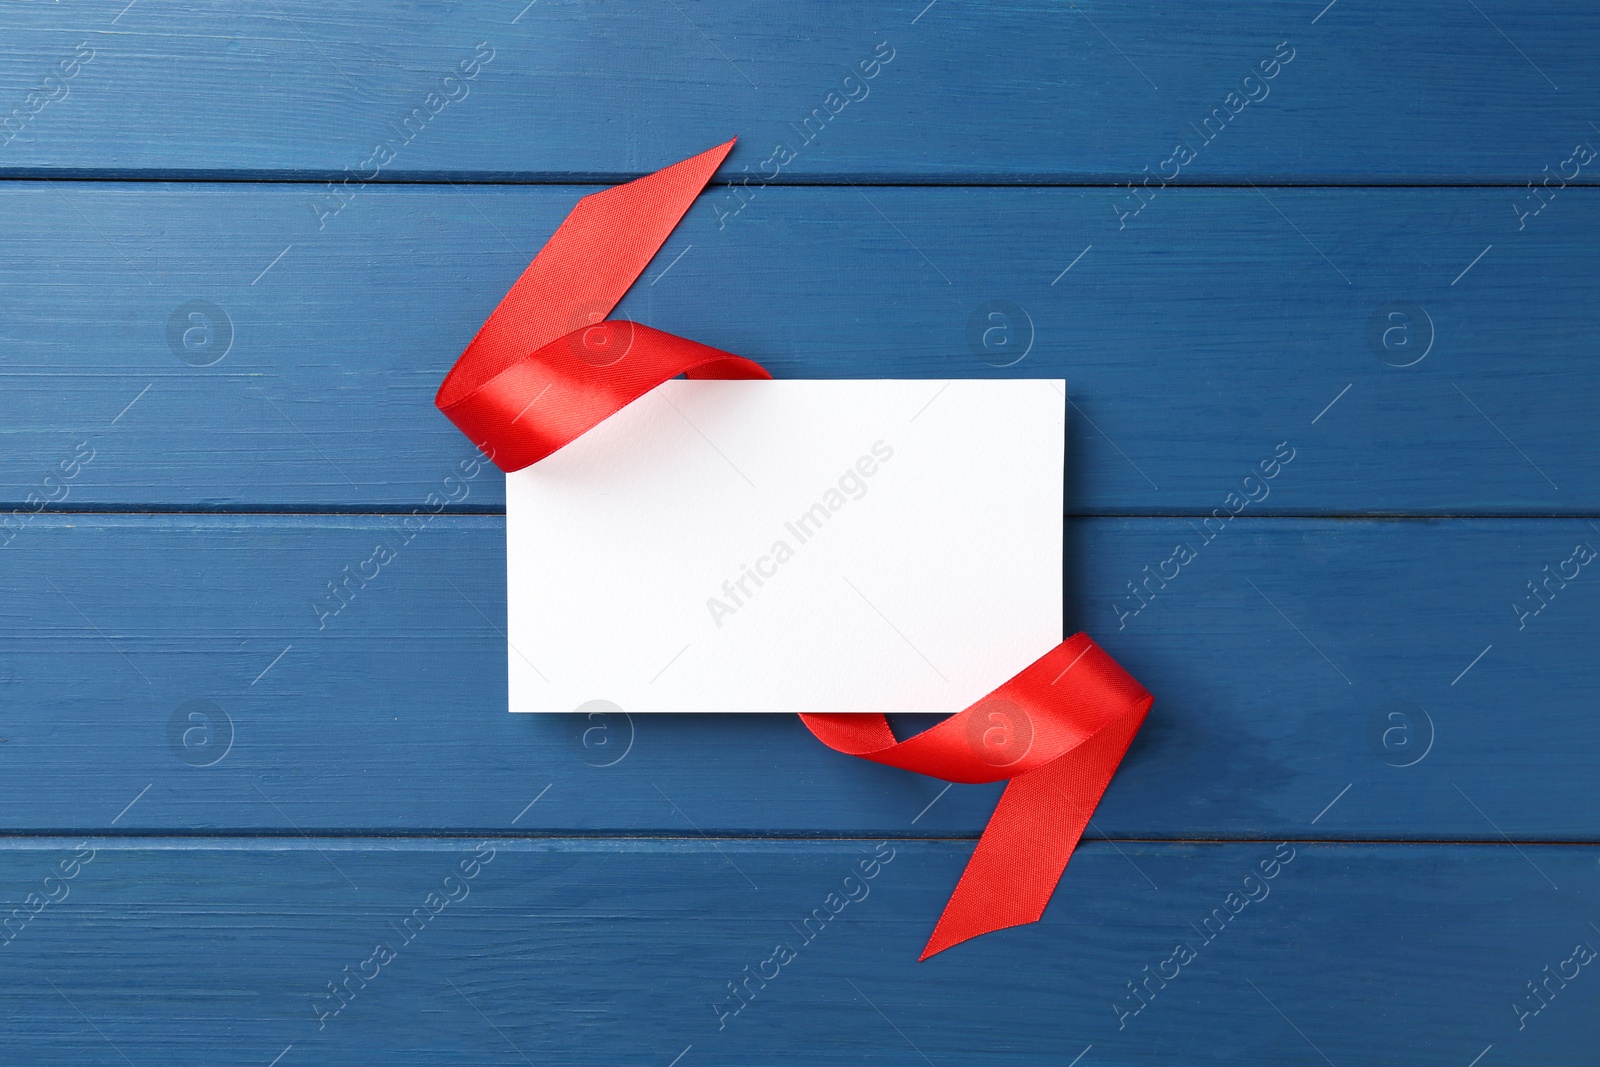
[548,366]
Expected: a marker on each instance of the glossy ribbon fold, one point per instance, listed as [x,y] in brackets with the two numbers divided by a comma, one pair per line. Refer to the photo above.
[548,366]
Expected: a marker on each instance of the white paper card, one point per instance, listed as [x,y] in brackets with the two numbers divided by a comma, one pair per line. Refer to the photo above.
[790,546]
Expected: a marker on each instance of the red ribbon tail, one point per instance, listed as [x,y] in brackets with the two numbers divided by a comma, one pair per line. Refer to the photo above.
[1057,731]
[548,366]
[1030,837]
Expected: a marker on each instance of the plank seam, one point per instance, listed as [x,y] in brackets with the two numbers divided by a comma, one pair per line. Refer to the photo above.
[14,837]
[1106,182]
[390,511]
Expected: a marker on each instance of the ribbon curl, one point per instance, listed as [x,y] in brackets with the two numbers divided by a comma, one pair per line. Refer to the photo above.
[547,366]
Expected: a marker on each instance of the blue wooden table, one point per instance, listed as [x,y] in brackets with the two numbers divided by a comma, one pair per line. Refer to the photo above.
[1354,241]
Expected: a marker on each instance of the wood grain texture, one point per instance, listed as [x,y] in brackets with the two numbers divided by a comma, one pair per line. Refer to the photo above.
[260,245]
[1017,91]
[1277,655]
[620,952]
[1214,326]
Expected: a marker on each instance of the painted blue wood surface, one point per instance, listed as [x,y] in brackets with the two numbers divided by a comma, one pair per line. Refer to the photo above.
[1039,90]
[1277,656]
[217,385]
[621,952]
[1192,342]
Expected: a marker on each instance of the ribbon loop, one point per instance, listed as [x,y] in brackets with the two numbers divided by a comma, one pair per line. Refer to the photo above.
[1057,731]
[547,366]
[1050,708]
[546,399]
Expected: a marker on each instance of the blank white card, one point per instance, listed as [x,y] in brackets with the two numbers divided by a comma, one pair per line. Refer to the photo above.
[790,546]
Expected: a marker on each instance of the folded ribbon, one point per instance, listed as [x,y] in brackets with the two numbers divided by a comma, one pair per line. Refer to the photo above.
[547,366]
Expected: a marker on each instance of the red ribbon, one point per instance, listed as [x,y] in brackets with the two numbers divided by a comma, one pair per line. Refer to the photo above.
[547,366]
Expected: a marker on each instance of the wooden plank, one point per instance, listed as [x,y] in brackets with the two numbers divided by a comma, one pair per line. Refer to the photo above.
[1279,654]
[1216,325]
[620,952]
[1026,90]
[219,345]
